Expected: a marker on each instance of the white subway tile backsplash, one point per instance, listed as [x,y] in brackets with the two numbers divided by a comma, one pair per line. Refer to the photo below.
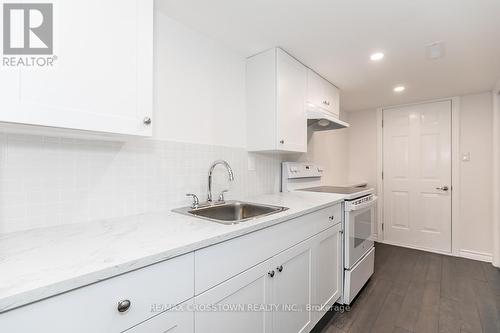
[46,181]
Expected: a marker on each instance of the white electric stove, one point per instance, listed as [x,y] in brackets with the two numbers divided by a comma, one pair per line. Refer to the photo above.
[358,222]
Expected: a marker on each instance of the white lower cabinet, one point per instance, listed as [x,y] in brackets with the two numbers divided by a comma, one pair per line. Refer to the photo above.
[236,305]
[293,288]
[329,269]
[110,306]
[178,320]
[283,294]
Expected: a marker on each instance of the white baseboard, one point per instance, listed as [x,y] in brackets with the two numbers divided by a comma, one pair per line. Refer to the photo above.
[417,248]
[475,255]
[468,254]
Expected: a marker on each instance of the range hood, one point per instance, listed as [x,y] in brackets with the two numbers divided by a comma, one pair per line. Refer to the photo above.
[319,120]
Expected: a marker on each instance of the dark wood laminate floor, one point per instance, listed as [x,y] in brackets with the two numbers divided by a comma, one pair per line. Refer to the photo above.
[416,291]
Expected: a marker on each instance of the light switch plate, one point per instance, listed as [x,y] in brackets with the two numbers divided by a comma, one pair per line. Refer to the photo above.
[251,162]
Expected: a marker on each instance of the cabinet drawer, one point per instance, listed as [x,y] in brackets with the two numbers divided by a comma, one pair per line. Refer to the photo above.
[94,308]
[236,255]
[336,214]
[174,321]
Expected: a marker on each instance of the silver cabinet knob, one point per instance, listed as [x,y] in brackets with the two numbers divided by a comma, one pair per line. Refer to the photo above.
[124,305]
[279,268]
[282,141]
[147,121]
[442,188]
[271,274]
[332,218]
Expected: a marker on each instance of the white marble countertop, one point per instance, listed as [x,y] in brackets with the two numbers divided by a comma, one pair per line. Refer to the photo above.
[40,263]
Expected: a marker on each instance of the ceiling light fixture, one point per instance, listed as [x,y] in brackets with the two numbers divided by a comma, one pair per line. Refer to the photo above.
[377,56]
[435,50]
[399,89]
[324,122]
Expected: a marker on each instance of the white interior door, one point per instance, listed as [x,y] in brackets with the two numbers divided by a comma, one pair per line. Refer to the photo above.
[417,176]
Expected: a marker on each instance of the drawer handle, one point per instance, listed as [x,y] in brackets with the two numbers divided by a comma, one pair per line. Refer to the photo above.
[124,305]
[279,268]
[271,274]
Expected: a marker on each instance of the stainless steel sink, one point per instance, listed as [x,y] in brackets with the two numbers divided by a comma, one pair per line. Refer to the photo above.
[231,212]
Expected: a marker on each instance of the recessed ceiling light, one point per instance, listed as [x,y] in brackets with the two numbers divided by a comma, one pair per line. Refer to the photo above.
[399,89]
[377,56]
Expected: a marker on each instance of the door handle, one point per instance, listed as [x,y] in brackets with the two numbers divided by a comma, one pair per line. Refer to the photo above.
[442,188]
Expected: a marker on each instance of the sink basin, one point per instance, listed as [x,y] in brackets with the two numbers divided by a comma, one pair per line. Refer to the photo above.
[231,212]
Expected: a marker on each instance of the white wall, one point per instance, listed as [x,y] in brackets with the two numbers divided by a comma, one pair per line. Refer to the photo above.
[476,175]
[362,153]
[328,149]
[348,155]
[200,87]
[475,222]
[496,175]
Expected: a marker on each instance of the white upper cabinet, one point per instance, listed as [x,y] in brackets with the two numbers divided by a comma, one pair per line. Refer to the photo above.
[322,94]
[276,94]
[102,78]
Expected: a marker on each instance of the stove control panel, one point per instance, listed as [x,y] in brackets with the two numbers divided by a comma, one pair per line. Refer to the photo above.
[361,203]
[293,170]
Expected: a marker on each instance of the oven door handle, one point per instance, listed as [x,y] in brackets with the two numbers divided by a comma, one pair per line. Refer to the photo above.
[363,205]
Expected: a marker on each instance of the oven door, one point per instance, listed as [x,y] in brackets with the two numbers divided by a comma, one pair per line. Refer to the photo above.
[358,232]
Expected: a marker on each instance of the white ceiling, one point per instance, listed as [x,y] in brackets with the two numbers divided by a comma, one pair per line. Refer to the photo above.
[336,38]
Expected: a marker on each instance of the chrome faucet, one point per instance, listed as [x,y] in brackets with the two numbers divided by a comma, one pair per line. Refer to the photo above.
[212,167]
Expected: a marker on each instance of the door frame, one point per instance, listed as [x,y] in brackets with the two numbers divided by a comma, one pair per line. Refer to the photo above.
[455,172]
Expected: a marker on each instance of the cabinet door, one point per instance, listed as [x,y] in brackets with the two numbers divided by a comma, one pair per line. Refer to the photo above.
[332,98]
[293,288]
[178,320]
[315,89]
[237,305]
[291,112]
[102,79]
[322,94]
[328,268]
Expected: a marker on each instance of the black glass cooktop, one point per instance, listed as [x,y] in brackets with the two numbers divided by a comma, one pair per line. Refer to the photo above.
[336,189]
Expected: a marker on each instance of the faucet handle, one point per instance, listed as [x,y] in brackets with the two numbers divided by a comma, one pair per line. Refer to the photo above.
[196,201]
[221,195]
